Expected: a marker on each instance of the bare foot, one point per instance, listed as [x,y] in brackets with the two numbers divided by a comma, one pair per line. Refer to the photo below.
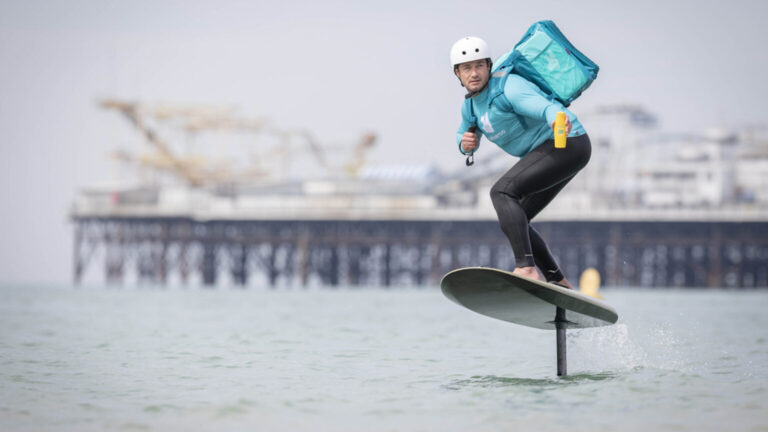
[565,283]
[529,272]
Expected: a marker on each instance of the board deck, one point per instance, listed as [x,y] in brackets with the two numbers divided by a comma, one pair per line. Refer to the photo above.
[520,300]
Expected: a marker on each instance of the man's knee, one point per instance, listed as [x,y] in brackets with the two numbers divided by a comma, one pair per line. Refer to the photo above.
[503,191]
[495,194]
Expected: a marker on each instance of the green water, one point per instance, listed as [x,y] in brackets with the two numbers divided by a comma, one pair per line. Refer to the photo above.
[374,360]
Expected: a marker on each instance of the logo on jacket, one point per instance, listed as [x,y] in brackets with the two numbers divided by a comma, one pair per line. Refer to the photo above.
[487,128]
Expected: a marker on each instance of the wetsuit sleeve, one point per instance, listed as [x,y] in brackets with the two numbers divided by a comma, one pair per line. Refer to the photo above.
[528,100]
[465,125]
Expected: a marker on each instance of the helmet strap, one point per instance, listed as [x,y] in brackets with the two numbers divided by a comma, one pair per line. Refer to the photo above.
[456,72]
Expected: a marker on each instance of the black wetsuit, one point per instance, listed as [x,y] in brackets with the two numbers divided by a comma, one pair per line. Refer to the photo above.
[523,191]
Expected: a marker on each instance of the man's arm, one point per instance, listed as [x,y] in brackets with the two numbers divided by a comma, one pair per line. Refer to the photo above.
[467,128]
[528,100]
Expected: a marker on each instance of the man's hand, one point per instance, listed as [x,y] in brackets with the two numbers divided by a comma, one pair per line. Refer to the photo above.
[567,126]
[469,142]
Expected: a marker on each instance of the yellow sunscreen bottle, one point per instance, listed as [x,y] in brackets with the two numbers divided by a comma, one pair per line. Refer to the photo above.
[560,130]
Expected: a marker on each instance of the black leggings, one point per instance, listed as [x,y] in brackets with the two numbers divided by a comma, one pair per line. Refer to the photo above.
[527,188]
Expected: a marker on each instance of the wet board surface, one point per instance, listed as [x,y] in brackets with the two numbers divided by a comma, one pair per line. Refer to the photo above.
[502,295]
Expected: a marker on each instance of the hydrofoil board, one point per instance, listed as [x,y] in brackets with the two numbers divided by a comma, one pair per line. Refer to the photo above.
[502,295]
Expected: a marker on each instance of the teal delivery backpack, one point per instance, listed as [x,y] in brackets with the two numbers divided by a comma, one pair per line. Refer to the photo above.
[546,58]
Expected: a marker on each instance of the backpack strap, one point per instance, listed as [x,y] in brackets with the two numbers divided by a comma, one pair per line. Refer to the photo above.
[498,80]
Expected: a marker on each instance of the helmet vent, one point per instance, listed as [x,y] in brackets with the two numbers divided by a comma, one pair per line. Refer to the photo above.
[469,49]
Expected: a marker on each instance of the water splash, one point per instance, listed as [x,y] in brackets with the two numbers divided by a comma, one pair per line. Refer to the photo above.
[604,349]
[617,348]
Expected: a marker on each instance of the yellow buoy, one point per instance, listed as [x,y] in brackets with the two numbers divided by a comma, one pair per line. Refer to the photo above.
[589,283]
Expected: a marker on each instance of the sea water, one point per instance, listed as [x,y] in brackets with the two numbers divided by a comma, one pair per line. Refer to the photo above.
[106,358]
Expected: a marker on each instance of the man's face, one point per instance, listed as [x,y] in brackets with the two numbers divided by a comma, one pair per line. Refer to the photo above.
[473,74]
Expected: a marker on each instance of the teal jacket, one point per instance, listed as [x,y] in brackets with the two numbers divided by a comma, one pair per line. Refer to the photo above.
[520,131]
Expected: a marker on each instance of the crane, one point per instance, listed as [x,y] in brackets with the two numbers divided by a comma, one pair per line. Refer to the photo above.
[197,171]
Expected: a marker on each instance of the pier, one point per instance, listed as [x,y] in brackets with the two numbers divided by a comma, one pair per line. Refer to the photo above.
[650,210]
[411,253]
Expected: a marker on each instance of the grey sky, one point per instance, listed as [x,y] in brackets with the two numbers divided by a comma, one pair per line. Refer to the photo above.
[337,68]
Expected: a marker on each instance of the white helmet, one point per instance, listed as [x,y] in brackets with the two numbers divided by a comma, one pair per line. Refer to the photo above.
[469,49]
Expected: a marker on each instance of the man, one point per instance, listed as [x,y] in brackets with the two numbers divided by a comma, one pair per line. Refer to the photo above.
[526,132]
